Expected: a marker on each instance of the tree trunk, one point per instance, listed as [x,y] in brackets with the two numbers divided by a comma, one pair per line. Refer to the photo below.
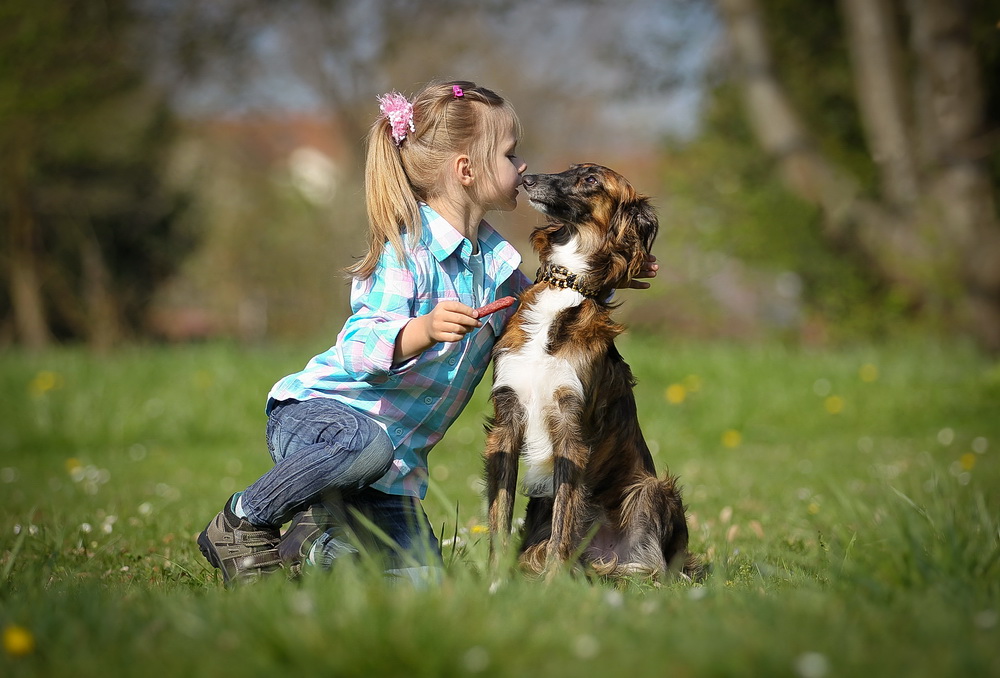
[933,233]
[103,326]
[24,282]
[879,78]
[775,122]
[26,300]
[960,199]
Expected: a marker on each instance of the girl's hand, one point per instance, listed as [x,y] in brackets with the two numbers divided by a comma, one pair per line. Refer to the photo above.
[649,271]
[448,321]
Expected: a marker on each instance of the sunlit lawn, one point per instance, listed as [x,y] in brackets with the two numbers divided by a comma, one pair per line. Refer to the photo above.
[848,501]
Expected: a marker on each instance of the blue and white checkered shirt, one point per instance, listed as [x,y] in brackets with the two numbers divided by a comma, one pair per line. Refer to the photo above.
[416,401]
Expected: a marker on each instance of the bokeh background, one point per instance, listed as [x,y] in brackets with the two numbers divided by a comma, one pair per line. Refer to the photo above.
[179,170]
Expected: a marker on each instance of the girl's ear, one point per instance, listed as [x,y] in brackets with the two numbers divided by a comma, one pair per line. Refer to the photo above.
[463,170]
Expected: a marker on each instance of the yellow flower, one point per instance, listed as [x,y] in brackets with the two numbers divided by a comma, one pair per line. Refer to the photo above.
[44,382]
[676,394]
[479,529]
[967,461]
[17,640]
[834,404]
[732,438]
[813,508]
[868,373]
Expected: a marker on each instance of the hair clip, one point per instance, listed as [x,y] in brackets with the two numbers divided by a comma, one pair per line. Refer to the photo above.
[457,91]
[399,112]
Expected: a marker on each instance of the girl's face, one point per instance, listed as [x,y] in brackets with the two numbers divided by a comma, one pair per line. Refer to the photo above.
[507,170]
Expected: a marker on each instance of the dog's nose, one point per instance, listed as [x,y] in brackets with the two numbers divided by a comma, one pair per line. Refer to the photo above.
[528,180]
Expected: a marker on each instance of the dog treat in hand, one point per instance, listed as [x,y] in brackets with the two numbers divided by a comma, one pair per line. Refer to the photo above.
[494,306]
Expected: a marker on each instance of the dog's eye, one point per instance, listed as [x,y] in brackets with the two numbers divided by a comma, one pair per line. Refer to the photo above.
[591,179]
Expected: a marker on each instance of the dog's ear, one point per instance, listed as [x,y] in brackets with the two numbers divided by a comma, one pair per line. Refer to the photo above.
[634,227]
[644,219]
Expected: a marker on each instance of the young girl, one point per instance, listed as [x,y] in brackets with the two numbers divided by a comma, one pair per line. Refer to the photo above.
[350,433]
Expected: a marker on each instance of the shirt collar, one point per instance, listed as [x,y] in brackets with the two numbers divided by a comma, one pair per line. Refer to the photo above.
[442,240]
[437,235]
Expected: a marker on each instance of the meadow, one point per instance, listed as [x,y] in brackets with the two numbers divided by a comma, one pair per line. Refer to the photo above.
[847,500]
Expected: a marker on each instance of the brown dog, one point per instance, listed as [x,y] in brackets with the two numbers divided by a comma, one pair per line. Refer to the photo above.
[562,395]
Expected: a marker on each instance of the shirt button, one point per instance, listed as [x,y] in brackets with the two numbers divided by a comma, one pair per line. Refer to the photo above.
[399,431]
[428,400]
[452,361]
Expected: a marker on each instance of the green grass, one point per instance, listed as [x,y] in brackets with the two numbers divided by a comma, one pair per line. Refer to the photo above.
[848,500]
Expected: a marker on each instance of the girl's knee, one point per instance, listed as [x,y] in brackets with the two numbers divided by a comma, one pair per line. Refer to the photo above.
[377,456]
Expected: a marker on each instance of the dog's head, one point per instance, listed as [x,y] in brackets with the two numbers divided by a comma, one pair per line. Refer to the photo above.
[597,226]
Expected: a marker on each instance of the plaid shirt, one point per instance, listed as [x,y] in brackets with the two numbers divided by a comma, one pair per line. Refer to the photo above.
[417,400]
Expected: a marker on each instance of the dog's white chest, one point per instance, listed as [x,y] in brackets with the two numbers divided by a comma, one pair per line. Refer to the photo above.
[536,376]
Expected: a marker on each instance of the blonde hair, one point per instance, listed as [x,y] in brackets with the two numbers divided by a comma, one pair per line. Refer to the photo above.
[397,176]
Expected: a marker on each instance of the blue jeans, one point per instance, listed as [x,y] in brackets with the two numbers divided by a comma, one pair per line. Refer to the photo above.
[326,452]
[413,546]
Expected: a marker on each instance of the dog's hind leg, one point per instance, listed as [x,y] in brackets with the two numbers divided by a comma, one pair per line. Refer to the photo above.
[505,435]
[655,526]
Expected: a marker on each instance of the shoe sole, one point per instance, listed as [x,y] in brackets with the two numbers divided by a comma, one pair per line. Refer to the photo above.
[208,550]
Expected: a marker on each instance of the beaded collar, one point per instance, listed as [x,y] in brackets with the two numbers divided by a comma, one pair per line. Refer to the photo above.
[563,278]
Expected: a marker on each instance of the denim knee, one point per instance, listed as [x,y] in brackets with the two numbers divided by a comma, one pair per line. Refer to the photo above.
[375,458]
[319,446]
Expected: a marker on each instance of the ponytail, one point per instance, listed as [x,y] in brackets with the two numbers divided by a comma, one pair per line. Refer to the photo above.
[391,202]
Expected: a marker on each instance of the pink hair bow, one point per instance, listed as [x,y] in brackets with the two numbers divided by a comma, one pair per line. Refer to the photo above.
[457,91]
[399,112]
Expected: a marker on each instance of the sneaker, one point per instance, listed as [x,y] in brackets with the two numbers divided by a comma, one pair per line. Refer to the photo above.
[243,551]
[310,540]
[297,541]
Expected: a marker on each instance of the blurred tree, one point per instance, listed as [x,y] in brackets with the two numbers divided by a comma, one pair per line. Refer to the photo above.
[922,211]
[90,226]
[564,62]
[256,60]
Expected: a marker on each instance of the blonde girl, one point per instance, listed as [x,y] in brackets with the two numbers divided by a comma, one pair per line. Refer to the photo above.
[351,432]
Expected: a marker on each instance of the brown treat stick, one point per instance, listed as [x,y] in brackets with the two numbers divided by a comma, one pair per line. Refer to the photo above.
[494,306]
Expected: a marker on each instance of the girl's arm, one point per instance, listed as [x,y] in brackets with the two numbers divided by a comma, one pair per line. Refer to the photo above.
[449,321]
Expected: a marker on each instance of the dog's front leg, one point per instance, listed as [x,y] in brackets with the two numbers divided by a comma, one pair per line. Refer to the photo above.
[503,446]
[570,457]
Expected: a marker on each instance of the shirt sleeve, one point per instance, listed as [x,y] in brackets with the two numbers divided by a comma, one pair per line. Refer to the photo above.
[381,306]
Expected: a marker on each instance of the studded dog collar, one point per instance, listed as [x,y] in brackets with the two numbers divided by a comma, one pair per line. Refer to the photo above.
[563,278]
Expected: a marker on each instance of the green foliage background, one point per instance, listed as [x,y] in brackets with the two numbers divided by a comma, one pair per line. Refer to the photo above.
[721,194]
[87,194]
